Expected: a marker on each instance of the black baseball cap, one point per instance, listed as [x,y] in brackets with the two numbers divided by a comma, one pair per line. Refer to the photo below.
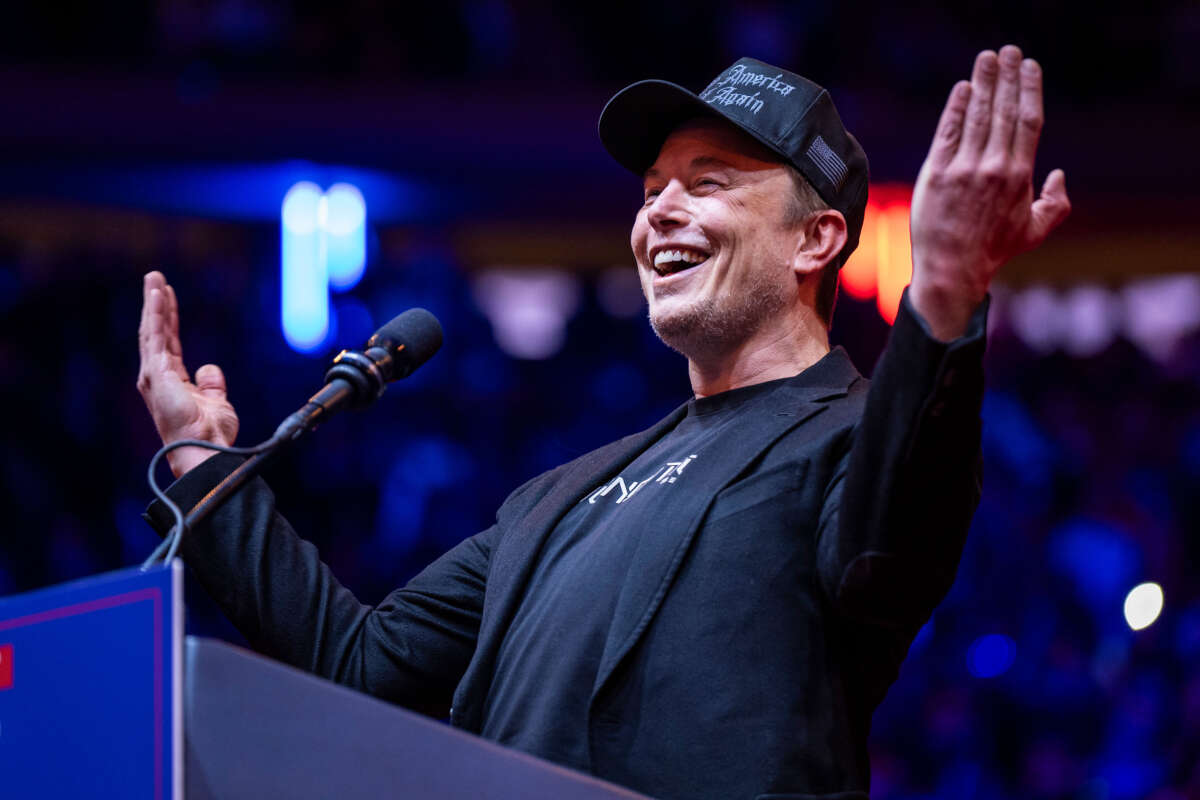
[791,115]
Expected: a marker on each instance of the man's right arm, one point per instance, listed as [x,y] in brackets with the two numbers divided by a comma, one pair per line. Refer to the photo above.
[412,649]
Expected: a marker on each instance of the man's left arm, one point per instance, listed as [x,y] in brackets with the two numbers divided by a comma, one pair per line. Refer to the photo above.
[898,511]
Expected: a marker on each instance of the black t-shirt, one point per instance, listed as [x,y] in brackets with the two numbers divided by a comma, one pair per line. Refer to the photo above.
[548,662]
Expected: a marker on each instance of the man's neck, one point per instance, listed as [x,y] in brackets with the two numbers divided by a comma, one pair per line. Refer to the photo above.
[779,352]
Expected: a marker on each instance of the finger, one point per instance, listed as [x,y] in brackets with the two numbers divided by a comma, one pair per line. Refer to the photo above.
[151,280]
[156,358]
[978,121]
[1029,116]
[950,126]
[160,362]
[165,323]
[145,309]
[151,344]
[1050,209]
[149,333]
[1005,102]
[210,380]
[153,362]
[172,324]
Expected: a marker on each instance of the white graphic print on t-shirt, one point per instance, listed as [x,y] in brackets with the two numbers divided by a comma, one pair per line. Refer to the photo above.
[666,474]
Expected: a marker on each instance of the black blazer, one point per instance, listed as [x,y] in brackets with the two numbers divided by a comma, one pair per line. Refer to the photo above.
[753,638]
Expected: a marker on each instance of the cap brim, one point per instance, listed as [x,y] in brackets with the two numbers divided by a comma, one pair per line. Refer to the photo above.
[638,119]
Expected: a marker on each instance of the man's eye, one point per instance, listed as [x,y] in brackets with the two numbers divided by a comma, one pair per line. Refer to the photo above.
[708,182]
[651,194]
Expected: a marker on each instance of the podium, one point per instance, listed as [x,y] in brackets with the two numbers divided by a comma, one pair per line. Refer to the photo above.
[102,696]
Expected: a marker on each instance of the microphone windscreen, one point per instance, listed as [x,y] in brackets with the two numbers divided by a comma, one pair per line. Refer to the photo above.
[412,338]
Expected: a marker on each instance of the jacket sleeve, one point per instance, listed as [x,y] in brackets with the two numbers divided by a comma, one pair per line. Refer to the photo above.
[411,649]
[896,515]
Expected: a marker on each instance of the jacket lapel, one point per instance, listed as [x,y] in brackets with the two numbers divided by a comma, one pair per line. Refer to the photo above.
[517,553]
[660,552]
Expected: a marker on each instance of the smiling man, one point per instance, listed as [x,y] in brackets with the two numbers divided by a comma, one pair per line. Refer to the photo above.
[715,606]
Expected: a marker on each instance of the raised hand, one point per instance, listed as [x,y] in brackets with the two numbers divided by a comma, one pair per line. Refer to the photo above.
[180,408]
[973,207]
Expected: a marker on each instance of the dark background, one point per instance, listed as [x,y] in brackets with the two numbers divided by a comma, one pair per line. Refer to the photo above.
[162,134]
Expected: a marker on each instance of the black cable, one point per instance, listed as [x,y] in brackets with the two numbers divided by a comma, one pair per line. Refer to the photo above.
[170,543]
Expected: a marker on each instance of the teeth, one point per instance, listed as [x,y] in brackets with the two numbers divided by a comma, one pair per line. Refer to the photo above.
[691,257]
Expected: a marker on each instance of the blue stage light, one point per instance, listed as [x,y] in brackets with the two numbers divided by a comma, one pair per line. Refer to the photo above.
[991,655]
[304,307]
[324,245]
[301,206]
[345,223]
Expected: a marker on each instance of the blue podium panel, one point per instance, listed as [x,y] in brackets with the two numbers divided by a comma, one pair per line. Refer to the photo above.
[91,688]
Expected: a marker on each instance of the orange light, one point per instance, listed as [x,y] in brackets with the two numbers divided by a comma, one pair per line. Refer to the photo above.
[859,277]
[882,265]
[896,268]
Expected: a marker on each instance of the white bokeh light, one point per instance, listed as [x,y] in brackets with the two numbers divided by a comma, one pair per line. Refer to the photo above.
[1143,604]
[1091,320]
[1160,311]
[1037,318]
[528,307]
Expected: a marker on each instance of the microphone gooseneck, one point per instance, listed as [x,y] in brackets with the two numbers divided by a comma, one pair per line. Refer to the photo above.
[354,380]
[357,378]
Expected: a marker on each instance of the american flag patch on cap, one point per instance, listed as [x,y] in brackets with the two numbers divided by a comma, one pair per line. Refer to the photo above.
[827,161]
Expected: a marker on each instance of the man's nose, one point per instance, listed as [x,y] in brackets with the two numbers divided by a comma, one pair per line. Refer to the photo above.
[670,207]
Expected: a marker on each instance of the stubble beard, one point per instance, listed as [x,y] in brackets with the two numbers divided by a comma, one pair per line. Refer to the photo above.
[711,326]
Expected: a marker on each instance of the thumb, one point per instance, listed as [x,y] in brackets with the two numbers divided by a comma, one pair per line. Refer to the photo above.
[1050,209]
[211,381]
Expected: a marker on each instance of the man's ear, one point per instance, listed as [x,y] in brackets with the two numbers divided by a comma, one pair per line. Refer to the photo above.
[824,236]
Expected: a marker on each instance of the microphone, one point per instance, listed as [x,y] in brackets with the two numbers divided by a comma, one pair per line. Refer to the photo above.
[354,380]
[357,379]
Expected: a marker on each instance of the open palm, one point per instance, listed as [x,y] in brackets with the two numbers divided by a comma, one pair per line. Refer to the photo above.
[181,408]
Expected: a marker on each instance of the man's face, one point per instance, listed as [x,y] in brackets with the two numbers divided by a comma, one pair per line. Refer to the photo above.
[714,252]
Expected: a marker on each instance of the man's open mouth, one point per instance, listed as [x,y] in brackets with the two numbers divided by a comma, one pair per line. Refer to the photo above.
[668,262]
